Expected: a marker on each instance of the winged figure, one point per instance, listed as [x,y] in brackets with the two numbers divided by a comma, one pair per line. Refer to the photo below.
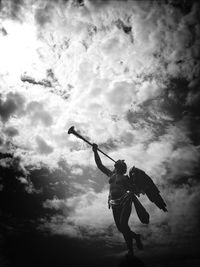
[123,190]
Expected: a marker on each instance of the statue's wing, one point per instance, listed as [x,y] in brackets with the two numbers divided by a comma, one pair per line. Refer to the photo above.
[146,185]
[143,215]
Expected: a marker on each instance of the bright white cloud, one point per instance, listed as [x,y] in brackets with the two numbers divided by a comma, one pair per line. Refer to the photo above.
[95,64]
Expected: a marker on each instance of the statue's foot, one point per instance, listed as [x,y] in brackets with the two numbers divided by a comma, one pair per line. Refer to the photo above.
[130,254]
[139,242]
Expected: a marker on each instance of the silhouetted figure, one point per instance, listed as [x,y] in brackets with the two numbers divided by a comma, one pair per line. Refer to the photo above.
[120,199]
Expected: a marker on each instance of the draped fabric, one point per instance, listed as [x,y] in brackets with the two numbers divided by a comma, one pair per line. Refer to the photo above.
[127,199]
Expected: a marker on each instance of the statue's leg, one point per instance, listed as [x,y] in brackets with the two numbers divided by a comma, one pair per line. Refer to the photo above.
[138,241]
[125,229]
[116,215]
[128,234]
[122,226]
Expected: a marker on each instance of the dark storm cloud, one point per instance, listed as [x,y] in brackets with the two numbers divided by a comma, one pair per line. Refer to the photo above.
[23,191]
[13,104]
[11,131]
[12,9]
[184,5]
[1,141]
[44,82]
[43,14]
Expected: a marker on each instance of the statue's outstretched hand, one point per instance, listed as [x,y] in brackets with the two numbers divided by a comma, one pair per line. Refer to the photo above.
[94,147]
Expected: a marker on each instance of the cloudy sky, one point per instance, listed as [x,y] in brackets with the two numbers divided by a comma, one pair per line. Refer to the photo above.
[126,75]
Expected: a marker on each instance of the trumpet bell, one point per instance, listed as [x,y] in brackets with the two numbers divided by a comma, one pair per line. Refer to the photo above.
[71,130]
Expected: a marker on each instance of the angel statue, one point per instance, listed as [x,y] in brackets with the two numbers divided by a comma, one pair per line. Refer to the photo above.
[123,191]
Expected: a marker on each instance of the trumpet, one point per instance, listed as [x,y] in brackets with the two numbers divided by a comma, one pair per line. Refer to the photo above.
[74,132]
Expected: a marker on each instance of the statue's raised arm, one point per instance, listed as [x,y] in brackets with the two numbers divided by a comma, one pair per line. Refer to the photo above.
[99,162]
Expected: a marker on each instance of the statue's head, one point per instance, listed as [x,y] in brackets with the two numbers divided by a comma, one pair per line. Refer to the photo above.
[120,166]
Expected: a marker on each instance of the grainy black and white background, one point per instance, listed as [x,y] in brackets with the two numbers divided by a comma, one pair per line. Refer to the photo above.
[126,75]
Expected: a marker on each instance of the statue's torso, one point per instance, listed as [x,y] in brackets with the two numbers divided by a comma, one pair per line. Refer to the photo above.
[118,185]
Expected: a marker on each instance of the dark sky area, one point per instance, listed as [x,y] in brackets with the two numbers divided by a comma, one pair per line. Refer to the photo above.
[126,74]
